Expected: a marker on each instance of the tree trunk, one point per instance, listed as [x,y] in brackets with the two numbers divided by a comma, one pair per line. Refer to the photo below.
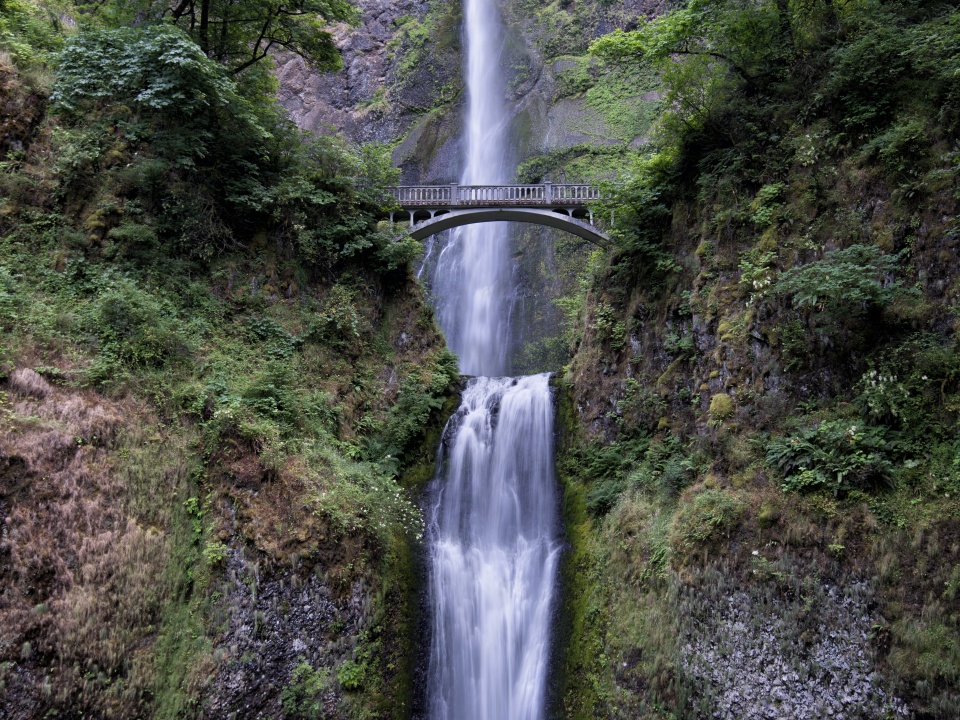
[205,26]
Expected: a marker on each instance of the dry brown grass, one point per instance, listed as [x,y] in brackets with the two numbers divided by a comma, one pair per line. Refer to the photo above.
[29,383]
[81,573]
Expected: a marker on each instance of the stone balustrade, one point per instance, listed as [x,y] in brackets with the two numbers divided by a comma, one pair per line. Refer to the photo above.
[455,195]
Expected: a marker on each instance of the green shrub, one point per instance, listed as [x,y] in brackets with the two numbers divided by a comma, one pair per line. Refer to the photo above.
[667,467]
[302,699]
[134,329]
[901,147]
[274,341]
[30,31]
[846,283]
[839,455]
[338,323]
[421,395]
[866,72]
[9,300]
[605,468]
[907,386]
[351,675]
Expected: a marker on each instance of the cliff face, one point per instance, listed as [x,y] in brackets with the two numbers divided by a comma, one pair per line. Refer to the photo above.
[695,367]
[212,429]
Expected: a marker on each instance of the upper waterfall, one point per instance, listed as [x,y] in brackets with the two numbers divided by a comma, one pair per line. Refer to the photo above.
[472,277]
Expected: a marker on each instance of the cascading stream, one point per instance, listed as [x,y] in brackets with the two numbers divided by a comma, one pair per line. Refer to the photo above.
[492,529]
[493,555]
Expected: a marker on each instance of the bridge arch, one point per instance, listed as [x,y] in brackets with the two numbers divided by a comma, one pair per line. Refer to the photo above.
[536,216]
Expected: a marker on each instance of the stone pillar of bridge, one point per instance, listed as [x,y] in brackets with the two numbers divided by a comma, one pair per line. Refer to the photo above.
[454,194]
[548,193]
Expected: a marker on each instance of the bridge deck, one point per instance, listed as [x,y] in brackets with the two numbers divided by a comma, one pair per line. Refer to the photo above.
[560,195]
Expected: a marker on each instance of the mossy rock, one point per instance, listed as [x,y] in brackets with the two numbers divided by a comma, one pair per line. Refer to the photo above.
[721,407]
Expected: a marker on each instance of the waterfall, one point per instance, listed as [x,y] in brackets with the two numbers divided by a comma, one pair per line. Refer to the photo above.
[492,526]
[471,280]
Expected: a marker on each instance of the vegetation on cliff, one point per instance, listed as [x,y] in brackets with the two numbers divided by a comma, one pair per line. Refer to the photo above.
[766,374]
[216,371]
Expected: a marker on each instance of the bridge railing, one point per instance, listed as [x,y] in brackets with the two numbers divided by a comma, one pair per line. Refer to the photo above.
[422,194]
[559,194]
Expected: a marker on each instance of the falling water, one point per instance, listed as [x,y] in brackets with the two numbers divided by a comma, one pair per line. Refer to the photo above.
[492,529]
[471,278]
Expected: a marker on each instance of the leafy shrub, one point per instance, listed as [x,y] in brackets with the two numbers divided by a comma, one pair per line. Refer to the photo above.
[865,72]
[845,283]
[361,497]
[609,329]
[766,205]
[901,146]
[302,698]
[638,407]
[351,675]
[907,385]
[338,323]
[134,329]
[275,341]
[156,69]
[605,467]
[421,394]
[839,455]
[9,300]
[30,31]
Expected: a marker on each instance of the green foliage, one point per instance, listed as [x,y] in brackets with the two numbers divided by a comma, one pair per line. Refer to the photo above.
[421,395]
[351,675]
[643,218]
[9,300]
[30,31]
[639,407]
[609,328]
[363,497]
[540,167]
[164,83]
[338,323]
[576,76]
[156,68]
[302,699]
[275,342]
[605,466]
[134,330]
[766,204]
[838,455]
[846,283]
[910,385]
[241,33]
[901,147]
[711,514]
[667,468]
[866,70]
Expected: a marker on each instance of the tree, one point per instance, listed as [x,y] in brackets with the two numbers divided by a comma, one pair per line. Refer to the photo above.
[241,33]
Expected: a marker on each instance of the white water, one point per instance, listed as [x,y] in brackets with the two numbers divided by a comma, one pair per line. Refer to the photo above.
[492,528]
[494,555]
[471,280]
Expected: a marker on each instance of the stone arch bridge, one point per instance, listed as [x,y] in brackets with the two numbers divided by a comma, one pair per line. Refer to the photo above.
[435,208]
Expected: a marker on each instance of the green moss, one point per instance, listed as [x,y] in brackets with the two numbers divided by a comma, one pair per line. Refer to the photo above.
[721,407]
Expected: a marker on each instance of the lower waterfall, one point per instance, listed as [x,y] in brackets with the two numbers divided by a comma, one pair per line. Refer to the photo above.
[493,554]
